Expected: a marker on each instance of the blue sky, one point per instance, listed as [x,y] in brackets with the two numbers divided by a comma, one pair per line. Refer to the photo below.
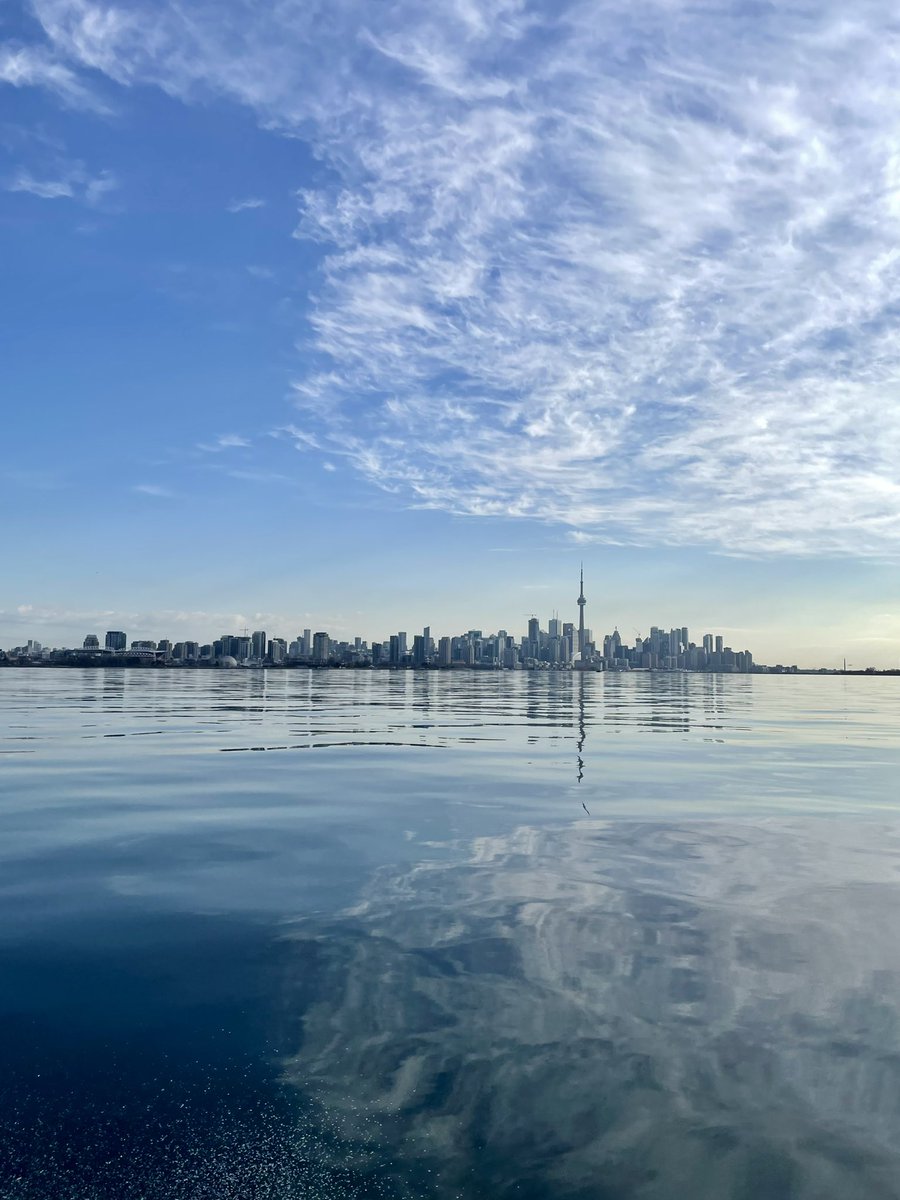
[360,316]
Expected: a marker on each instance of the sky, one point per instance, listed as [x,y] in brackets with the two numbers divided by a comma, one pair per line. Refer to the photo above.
[362,316]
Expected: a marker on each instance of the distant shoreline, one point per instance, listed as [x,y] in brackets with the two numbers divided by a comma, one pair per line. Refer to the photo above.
[145,665]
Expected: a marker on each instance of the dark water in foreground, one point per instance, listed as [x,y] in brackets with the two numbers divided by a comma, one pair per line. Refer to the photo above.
[430,935]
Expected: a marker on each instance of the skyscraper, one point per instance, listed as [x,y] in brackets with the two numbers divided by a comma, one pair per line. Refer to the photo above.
[115,639]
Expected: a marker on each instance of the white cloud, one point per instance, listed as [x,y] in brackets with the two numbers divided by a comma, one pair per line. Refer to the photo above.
[627,268]
[46,189]
[72,183]
[153,489]
[25,66]
[237,206]
[225,441]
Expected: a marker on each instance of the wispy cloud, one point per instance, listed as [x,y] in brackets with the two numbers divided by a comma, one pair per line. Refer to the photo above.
[28,66]
[72,183]
[237,206]
[264,477]
[631,269]
[225,441]
[153,489]
[46,189]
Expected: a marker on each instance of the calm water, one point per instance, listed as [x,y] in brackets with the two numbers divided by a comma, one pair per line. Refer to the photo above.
[448,935]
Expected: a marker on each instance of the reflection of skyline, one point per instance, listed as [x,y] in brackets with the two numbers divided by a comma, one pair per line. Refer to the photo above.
[600,1011]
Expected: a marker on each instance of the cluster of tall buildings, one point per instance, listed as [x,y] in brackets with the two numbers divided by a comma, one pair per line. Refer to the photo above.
[562,645]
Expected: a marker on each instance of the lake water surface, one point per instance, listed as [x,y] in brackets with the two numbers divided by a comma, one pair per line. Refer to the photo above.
[437,934]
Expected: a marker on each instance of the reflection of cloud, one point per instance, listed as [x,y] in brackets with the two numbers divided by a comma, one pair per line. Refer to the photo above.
[603,1011]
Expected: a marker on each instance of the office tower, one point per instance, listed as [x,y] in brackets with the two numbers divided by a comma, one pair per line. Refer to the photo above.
[429,645]
[240,648]
[554,628]
[401,645]
[720,643]
[534,637]
[258,645]
[321,647]
[115,639]
[277,650]
[91,642]
[445,650]
[684,637]
[581,604]
[419,650]
[394,651]
[708,642]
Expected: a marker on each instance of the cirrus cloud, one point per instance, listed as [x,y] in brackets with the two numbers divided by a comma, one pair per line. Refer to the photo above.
[631,269]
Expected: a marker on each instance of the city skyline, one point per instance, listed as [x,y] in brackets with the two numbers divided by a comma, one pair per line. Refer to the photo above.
[540,285]
[562,645]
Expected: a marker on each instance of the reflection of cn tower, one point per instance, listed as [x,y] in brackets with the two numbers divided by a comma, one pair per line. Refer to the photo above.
[581,728]
[581,604]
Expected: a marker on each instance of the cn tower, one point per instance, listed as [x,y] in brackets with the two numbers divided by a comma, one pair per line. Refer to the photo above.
[581,604]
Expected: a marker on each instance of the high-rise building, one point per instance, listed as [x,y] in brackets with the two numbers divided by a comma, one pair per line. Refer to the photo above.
[91,642]
[115,639]
[419,652]
[321,647]
[277,650]
[444,652]
[258,645]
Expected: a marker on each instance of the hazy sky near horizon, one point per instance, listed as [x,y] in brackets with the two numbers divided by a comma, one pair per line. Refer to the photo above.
[367,315]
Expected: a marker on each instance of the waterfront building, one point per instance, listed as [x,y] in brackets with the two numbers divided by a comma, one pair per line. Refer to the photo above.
[320,647]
